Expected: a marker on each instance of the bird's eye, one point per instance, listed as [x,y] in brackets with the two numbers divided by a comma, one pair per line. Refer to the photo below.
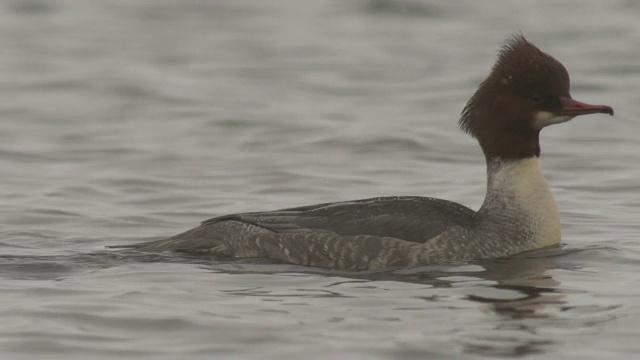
[537,98]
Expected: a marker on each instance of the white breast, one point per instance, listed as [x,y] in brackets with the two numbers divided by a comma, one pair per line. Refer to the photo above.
[519,187]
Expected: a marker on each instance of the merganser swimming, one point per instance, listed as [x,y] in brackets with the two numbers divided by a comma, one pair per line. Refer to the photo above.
[526,91]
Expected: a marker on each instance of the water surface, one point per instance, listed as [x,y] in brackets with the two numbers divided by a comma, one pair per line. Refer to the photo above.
[126,121]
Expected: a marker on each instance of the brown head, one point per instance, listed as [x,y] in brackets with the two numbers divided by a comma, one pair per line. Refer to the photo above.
[526,91]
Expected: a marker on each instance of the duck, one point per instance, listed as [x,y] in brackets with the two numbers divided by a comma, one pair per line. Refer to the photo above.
[526,91]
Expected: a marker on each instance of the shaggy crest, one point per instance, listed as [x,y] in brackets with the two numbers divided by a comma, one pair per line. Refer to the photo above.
[521,69]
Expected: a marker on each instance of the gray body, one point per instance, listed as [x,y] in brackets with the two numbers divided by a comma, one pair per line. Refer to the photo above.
[390,231]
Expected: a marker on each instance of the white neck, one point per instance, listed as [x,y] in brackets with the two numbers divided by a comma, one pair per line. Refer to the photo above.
[519,200]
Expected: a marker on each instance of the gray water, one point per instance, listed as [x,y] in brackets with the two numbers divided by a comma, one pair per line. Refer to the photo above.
[124,121]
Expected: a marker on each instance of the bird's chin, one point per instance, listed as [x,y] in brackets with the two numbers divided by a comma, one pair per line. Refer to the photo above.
[543,119]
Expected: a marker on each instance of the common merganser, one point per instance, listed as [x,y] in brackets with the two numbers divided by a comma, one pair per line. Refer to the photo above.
[526,91]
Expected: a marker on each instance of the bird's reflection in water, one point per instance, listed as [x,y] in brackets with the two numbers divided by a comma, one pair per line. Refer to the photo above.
[519,291]
[518,294]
